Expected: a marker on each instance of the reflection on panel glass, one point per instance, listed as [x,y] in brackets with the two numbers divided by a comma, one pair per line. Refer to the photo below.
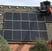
[8,16]
[8,35]
[17,35]
[24,16]
[16,25]
[43,35]
[34,35]
[25,25]
[7,24]
[32,17]
[42,26]
[25,36]
[16,16]
[33,25]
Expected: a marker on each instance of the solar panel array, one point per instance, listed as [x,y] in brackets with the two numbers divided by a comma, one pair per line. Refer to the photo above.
[24,27]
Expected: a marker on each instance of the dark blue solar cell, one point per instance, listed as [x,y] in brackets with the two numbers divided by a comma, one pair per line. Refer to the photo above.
[34,35]
[25,36]
[24,16]
[17,35]
[40,18]
[33,26]
[32,17]
[42,25]
[16,25]
[43,35]
[8,34]
[1,32]
[7,16]
[7,25]
[49,18]
[25,25]
[16,16]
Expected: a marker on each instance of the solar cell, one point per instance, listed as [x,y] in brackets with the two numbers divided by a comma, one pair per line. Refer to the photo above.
[41,18]
[42,26]
[32,17]
[8,16]
[24,16]
[16,16]
[7,25]
[16,25]
[17,35]
[34,35]
[49,18]
[8,34]
[25,36]
[1,32]
[25,25]
[33,26]
[43,35]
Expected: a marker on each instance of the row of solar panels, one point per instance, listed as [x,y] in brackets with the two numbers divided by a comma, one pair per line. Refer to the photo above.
[24,35]
[24,25]
[22,16]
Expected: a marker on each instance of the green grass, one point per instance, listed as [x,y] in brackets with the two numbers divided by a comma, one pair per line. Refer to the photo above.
[4,45]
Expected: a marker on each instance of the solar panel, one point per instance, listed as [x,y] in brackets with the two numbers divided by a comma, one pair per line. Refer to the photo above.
[1,32]
[16,25]
[16,35]
[24,16]
[32,17]
[25,36]
[7,25]
[33,26]
[8,34]
[34,35]
[42,26]
[8,16]
[43,35]
[24,27]
[16,16]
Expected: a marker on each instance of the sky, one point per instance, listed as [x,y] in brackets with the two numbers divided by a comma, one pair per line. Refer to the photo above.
[22,2]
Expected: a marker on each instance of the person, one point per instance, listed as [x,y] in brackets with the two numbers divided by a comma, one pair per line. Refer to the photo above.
[50,10]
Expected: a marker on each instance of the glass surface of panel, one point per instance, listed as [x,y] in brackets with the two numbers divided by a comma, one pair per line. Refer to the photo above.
[25,25]
[40,18]
[34,35]
[1,32]
[8,34]
[33,26]
[16,25]
[42,26]
[43,35]
[24,16]
[25,36]
[16,16]
[8,16]
[32,17]
[17,35]
[7,24]
[49,19]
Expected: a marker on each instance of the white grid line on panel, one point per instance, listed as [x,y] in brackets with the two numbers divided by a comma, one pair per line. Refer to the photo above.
[38,26]
[12,26]
[29,26]
[21,25]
